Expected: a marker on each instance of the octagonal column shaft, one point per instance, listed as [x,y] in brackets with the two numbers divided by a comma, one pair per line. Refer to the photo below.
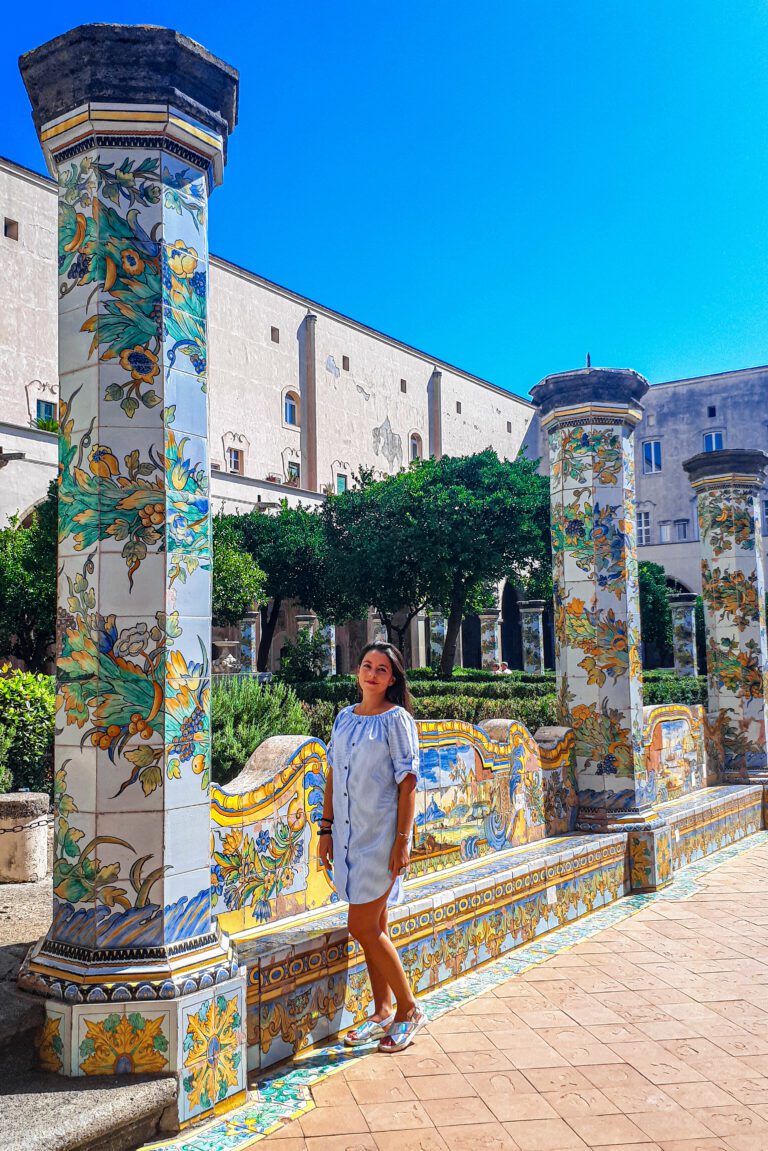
[532,628]
[132,953]
[437,626]
[490,639]
[684,647]
[590,416]
[733,589]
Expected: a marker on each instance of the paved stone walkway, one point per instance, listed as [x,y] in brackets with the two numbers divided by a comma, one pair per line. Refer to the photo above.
[651,1034]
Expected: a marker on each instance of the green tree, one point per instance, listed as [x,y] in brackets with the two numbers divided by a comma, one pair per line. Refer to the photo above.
[655,615]
[28,585]
[376,541]
[290,548]
[239,584]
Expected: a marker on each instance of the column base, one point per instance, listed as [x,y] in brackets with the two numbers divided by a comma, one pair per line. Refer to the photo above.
[199,1038]
[650,858]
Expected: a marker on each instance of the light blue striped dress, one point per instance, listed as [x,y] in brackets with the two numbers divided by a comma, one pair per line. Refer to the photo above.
[370,756]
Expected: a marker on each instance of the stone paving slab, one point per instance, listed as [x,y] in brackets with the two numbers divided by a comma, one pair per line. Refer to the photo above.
[643,1026]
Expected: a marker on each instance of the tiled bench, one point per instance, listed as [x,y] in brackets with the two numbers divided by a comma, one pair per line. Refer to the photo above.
[712,819]
[307,980]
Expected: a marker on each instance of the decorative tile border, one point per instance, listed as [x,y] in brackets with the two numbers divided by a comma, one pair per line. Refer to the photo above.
[284,1094]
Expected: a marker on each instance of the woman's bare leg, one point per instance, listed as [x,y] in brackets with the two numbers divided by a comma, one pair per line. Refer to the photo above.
[383,999]
[368,924]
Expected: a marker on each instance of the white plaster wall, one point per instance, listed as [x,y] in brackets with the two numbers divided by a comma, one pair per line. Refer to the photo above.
[23,483]
[482,422]
[28,286]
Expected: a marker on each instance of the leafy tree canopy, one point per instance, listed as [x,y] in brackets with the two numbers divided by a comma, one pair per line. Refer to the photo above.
[28,585]
[239,584]
[655,615]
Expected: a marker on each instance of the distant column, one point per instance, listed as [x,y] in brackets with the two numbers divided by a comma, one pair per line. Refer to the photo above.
[377,629]
[727,484]
[683,608]
[532,628]
[249,642]
[328,632]
[490,639]
[437,628]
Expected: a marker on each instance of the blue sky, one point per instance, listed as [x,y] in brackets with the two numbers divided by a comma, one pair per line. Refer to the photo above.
[506,185]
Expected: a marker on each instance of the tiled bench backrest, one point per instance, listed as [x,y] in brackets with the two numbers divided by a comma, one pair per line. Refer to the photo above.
[674,742]
[480,791]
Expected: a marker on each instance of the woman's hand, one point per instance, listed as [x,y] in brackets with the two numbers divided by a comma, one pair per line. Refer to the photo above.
[400,856]
[325,851]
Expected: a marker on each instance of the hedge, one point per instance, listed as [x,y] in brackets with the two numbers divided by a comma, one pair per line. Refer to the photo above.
[666,687]
[27,707]
[344,691]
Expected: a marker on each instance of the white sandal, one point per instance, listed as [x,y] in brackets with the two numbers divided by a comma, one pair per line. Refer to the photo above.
[367,1031]
[401,1035]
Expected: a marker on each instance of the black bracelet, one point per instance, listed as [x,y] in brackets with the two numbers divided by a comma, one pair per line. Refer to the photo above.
[328,832]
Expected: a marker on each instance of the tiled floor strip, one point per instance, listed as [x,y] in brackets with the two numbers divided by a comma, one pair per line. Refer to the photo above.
[277,1098]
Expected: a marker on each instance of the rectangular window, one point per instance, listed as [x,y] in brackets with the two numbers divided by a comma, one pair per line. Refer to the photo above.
[341,484]
[235,461]
[275,334]
[681,530]
[665,532]
[458,406]
[345,363]
[10,229]
[643,529]
[290,411]
[509,425]
[713,441]
[403,386]
[711,411]
[45,410]
[652,456]
[294,472]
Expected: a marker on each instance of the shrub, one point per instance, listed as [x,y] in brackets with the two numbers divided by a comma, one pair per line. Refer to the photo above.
[666,687]
[243,714]
[27,706]
[304,661]
[6,779]
[320,716]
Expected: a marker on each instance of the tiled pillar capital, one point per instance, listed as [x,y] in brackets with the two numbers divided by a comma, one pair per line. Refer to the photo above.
[134,123]
[590,416]
[727,484]
[532,627]
[683,608]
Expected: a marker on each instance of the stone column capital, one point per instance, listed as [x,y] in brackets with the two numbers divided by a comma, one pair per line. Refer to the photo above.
[104,85]
[534,605]
[744,467]
[591,395]
[682,599]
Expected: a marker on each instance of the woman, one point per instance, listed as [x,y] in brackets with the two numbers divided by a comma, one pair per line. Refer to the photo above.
[365,833]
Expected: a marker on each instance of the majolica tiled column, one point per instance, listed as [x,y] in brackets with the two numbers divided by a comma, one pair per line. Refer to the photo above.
[437,626]
[328,632]
[733,589]
[683,608]
[134,123]
[590,416]
[249,643]
[532,627]
[490,639]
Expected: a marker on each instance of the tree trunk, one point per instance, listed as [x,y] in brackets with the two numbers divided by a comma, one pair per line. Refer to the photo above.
[268,624]
[452,635]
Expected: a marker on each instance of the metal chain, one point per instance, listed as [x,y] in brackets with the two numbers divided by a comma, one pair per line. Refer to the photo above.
[48,820]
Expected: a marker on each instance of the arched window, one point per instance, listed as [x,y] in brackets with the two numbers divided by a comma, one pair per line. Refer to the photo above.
[415,448]
[291,409]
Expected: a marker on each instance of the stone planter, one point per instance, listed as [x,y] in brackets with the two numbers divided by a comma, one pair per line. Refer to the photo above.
[23,836]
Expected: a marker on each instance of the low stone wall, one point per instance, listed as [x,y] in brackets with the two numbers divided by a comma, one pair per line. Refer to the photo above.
[481,790]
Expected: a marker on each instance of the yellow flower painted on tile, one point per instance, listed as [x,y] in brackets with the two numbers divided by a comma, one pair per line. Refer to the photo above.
[123,1044]
[141,363]
[212,1053]
[50,1046]
[182,260]
[103,462]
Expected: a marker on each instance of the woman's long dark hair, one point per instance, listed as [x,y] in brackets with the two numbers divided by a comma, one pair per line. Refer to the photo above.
[397,692]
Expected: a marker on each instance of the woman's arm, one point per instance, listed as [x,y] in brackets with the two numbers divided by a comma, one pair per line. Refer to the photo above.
[325,842]
[400,856]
